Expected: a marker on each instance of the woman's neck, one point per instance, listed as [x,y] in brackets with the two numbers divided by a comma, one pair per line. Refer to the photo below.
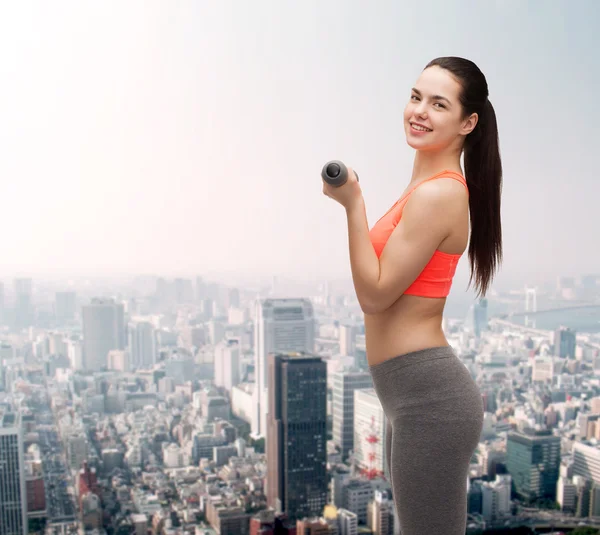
[427,164]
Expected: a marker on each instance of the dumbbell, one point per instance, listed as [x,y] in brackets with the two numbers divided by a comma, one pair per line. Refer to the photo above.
[335,173]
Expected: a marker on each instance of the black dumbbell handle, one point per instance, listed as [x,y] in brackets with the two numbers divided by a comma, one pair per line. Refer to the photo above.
[335,173]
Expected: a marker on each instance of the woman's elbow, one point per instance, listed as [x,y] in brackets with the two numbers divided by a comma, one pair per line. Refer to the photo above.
[371,308]
[376,305]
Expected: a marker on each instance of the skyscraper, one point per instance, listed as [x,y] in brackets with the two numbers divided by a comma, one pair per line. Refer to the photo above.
[297,435]
[565,342]
[66,307]
[103,330]
[344,384]
[227,364]
[23,313]
[533,461]
[281,325]
[1,303]
[481,316]
[142,344]
[13,497]
[347,339]
[477,317]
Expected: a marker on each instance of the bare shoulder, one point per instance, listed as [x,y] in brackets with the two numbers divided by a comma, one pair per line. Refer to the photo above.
[440,196]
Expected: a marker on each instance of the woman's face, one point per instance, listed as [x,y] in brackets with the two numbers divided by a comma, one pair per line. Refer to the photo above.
[433,117]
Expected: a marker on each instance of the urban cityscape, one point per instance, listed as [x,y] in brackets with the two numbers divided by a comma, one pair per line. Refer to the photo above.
[182,350]
[181,405]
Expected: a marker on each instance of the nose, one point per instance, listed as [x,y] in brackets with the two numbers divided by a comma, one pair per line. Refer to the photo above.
[420,109]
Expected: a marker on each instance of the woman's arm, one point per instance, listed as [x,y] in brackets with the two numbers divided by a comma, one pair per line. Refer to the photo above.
[426,221]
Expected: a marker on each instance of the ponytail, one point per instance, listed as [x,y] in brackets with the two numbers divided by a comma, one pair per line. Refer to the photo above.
[483,170]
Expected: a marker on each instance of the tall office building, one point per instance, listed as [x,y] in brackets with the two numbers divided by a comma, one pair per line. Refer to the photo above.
[586,461]
[347,340]
[23,312]
[200,290]
[380,513]
[480,318]
[477,317]
[143,345]
[13,496]
[565,342]
[7,353]
[281,325]
[533,461]
[65,307]
[297,435]
[233,298]
[164,293]
[344,385]
[227,364]
[2,318]
[103,330]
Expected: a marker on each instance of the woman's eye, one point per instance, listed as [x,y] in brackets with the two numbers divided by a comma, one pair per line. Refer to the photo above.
[415,97]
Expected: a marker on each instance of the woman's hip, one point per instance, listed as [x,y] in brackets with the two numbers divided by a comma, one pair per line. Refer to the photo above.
[430,383]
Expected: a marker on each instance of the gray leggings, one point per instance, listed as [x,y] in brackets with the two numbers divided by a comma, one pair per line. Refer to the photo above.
[434,412]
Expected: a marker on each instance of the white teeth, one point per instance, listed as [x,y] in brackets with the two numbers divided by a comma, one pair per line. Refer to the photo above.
[421,128]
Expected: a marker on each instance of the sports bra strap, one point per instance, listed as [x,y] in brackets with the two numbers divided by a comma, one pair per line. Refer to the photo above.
[442,174]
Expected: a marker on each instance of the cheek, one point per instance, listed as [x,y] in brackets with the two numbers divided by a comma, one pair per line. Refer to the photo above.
[440,124]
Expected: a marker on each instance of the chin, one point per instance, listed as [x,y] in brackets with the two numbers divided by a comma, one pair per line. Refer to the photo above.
[417,144]
[411,143]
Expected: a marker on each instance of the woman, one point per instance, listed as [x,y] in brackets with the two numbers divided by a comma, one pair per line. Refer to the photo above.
[402,271]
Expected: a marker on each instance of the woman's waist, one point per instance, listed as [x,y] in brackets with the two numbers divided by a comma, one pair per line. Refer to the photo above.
[409,309]
[408,314]
[388,337]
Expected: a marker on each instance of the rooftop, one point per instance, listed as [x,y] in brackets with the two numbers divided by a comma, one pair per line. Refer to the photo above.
[9,419]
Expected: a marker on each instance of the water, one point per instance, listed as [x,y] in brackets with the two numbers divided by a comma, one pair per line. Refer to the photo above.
[580,319]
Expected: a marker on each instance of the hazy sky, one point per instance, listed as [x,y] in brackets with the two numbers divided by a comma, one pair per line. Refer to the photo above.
[188,137]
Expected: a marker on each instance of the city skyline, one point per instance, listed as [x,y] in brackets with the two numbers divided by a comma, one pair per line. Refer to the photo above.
[161,150]
[182,347]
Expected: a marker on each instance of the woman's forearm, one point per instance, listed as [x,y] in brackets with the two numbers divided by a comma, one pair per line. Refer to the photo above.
[363,260]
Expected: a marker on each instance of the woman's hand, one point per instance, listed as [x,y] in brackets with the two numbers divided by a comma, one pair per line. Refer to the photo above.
[347,195]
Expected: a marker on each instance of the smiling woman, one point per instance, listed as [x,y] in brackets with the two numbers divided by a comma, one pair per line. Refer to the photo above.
[418,96]
[402,269]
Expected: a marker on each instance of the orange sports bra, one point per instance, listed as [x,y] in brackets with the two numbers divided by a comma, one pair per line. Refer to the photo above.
[436,278]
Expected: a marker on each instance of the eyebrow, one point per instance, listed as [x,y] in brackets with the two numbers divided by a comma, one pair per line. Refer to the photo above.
[435,97]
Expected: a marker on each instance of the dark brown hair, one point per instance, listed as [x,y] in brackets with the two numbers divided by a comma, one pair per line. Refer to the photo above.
[483,171]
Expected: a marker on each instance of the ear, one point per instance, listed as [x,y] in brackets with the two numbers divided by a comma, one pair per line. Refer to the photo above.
[469,124]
